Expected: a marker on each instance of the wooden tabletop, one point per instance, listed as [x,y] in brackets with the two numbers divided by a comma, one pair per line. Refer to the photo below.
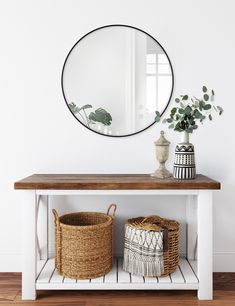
[111,182]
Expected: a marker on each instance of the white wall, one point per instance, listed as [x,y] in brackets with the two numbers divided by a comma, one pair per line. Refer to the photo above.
[39,135]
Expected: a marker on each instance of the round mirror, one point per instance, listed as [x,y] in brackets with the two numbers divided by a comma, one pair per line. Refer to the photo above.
[115,78]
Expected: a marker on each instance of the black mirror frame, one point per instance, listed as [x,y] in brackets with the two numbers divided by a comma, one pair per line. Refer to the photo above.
[106,26]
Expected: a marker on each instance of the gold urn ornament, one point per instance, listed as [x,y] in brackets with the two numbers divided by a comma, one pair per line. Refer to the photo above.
[162,153]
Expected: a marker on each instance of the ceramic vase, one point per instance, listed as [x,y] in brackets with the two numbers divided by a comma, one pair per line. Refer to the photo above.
[184,163]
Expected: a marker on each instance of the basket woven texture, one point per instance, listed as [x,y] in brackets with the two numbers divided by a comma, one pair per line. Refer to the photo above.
[84,243]
[171,241]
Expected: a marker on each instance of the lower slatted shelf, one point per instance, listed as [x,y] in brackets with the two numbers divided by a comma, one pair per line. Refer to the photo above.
[183,278]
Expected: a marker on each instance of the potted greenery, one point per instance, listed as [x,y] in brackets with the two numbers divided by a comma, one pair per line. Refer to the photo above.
[185,118]
[99,115]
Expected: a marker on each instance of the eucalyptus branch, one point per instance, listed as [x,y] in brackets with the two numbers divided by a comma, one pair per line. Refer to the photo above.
[187,116]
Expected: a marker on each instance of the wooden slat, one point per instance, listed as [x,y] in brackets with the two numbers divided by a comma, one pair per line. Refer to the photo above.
[150,279]
[111,182]
[111,277]
[68,280]
[193,264]
[187,272]
[46,273]
[40,265]
[164,280]
[177,277]
[97,280]
[56,277]
[123,276]
[82,281]
[137,279]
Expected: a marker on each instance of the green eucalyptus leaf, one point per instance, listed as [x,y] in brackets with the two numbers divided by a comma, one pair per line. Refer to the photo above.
[181,110]
[157,119]
[182,105]
[185,97]
[192,122]
[169,120]
[164,120]
[177,100]
[204,89]
[189,130]
[195,127]
[158,114]
[178,127]
[197,114]
[206,97]
[210,117]
[202,118]
[171,126]
[201,105]
[212,92]
[182,125]
[207,106]
[188,110]
[220,110]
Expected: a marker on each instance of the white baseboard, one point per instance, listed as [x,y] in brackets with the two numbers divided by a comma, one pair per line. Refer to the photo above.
[223,262]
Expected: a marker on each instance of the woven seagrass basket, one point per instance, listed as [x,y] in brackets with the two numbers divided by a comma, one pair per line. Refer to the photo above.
[170,229]
[84,243]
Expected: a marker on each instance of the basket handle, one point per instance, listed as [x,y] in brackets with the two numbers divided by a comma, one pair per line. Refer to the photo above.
[149,217]
[114,206]
[55,213]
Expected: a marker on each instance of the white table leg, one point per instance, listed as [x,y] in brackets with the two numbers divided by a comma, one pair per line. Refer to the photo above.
[191,217]
[205,256]
[29,245]
[42,226]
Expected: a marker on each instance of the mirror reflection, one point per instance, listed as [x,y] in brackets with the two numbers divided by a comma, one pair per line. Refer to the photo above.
[115,79]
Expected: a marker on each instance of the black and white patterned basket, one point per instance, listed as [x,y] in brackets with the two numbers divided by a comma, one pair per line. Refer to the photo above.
[143,253]
[151,246]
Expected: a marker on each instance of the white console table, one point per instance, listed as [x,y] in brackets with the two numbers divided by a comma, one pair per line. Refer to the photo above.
[39,272]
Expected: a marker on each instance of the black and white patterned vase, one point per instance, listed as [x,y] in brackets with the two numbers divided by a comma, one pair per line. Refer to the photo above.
[184,163]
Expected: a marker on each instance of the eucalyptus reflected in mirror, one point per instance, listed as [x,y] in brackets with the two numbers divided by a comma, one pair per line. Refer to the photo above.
[115,78]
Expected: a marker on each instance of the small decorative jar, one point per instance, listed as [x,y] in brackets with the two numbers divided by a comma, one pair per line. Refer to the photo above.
[162,153]
[184,164]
